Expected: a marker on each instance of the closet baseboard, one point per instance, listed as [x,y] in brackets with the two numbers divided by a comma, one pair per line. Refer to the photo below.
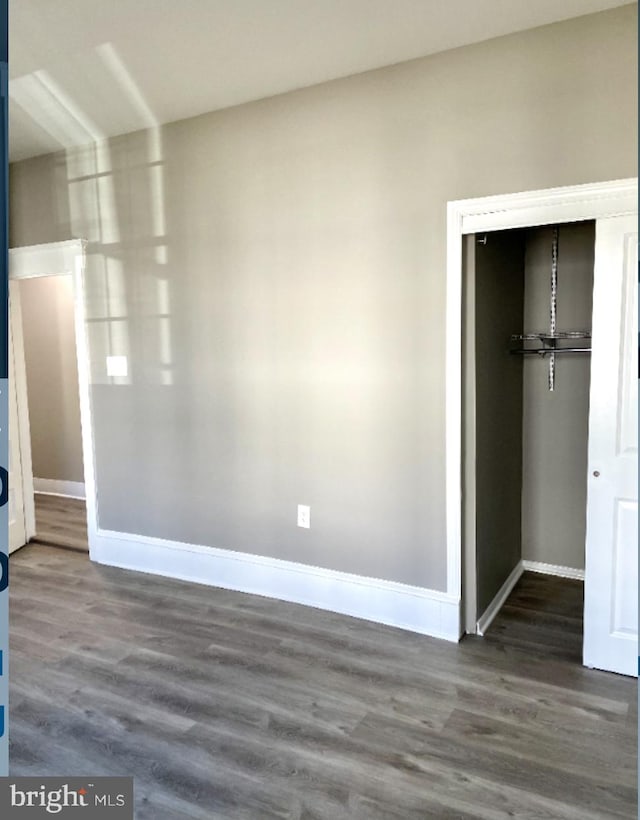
[553,569]
[485,620]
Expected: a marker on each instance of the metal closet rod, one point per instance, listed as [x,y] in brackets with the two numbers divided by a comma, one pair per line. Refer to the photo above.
[543,351]
[546,336]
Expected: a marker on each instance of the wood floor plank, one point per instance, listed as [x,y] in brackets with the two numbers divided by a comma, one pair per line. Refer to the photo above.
[237,707]
[61,521]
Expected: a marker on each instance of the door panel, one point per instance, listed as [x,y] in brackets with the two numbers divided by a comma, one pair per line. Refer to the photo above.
[611,576]
[625,585]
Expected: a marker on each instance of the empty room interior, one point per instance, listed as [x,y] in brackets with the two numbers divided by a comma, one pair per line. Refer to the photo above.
[323,405]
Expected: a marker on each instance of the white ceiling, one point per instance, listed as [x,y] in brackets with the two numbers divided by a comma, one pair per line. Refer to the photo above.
[86,69]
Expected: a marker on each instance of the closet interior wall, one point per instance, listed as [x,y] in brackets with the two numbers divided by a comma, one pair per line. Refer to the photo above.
[499,312]
[556,424]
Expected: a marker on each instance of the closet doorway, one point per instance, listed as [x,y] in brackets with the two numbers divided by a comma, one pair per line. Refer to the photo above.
[533,473]
[527,301]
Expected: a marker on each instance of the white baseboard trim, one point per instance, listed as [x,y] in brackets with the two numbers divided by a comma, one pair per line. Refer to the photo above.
[51,486]
[416,609]
[503,593]
[553,569]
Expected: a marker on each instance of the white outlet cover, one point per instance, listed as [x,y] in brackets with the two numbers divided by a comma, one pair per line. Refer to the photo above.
[117,366]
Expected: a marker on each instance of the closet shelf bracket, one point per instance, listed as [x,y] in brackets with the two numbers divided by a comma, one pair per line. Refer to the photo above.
[547,341]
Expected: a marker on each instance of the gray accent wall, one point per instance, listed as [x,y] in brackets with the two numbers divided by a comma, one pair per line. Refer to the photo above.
[556,424]
[52,377]
[275,276]
[499,312]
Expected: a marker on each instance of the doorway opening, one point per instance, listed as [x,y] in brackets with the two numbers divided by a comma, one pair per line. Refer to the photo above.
[48,330]
[527,302]
[48,436]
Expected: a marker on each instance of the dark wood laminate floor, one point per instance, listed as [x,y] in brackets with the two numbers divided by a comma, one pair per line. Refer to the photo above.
[225,705]
[61,521]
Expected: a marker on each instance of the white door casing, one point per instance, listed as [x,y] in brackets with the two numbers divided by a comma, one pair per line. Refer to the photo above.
[17,526]
[52,259]
[611,576]
[19,382]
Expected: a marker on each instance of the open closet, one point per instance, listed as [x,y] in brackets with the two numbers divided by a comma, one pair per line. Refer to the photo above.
[521,457]
[527,311]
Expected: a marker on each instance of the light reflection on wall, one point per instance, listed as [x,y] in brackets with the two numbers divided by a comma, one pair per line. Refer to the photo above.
[112,60]
[97,176]
[42,99]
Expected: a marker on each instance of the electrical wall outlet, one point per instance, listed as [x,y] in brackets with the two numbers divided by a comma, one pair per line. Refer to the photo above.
[304,516]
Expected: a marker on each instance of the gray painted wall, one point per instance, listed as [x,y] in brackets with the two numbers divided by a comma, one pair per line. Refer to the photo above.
[499,312]
[556,425]
[52,377]
[276,276]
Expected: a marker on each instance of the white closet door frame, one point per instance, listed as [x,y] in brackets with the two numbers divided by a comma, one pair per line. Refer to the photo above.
[494,213]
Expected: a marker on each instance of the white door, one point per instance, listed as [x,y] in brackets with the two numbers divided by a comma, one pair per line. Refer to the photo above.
[17,529]
[611,569]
